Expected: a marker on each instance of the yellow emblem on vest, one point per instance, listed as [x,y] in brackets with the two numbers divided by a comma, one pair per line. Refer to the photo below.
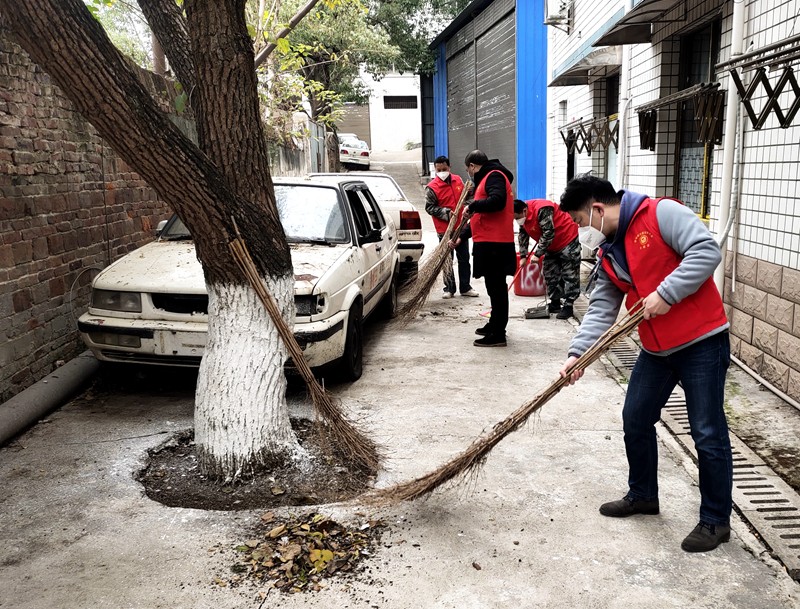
[643,239]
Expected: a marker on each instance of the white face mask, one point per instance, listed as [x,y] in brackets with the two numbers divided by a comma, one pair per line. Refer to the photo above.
[442,175]
[589,236]
[520,221]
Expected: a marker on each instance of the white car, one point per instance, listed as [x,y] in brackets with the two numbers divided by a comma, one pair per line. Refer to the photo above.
[346,136]
[396,205]
[151,306]
[354,152]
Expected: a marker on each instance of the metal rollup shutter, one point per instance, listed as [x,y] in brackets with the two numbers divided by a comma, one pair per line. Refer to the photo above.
[461,105]
[496,90]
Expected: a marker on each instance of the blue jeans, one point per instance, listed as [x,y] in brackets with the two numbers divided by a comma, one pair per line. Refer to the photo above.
[701,370]
[464,270]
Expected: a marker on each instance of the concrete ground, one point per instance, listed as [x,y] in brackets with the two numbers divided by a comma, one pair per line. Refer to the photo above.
[79,533]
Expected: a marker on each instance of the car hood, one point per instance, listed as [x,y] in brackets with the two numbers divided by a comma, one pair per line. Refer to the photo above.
[172,267]
[159,266]
[311,262]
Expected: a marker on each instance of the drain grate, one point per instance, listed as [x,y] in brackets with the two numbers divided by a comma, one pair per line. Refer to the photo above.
[771,506]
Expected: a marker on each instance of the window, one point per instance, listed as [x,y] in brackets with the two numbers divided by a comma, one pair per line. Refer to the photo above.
[400,102]
[699,52]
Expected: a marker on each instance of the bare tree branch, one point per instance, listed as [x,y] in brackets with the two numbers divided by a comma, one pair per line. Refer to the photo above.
[305,10]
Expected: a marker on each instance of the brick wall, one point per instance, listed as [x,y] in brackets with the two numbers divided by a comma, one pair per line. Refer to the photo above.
[763,304]
[68,207]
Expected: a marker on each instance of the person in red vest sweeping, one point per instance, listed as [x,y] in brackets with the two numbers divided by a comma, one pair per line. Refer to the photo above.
[660,251]
[557,236]
[491,214]
[441,197]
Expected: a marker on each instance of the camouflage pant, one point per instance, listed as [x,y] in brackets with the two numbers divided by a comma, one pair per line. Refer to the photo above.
[562,273]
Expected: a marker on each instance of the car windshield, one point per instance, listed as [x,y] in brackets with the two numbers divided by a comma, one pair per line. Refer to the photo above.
[175,230]
[361,145]
[310,214]
[383,188]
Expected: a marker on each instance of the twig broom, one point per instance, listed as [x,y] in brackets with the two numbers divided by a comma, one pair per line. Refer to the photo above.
[475,455]
[420,288]
[354,445]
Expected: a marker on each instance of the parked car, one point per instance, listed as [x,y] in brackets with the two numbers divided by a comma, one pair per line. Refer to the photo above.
[354,152]
[151,306]
[396,205]
[343,137]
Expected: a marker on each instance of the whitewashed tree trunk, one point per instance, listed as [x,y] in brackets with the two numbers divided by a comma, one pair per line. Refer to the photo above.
[241,415]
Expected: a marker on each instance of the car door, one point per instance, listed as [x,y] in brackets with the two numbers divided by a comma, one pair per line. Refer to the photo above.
[375,242]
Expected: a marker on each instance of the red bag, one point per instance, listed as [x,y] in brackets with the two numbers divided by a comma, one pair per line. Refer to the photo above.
[530,280]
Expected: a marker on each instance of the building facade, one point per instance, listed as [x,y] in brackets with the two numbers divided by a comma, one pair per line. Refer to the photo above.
[695,99]
[391,121]
[489,90]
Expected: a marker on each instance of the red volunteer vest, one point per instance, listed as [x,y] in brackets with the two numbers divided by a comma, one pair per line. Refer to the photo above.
[650,260]
[497,227]
[448,196]
[566,228]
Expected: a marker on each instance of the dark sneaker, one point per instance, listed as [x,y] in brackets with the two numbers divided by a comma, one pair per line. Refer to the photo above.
[491,340]
[554,306]
[706,537]
[628,506]
[565,313]
[483,330]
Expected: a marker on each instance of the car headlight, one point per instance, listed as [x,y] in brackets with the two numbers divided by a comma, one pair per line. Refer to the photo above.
[117,301]
[310,304]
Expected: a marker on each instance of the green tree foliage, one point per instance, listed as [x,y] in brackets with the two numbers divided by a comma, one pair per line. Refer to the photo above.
[126,27]
[318,63]
[412,25]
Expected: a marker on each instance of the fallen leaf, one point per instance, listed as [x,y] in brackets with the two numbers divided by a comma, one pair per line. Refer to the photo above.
[268,517]
[278,530]
[276,490]
[291,552]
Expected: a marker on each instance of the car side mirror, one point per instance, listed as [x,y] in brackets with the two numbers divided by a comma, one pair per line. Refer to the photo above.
[160,227]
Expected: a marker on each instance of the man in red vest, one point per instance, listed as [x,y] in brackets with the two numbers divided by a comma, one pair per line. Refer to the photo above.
[557,236]
[491,216]
[660,251]
[441,197]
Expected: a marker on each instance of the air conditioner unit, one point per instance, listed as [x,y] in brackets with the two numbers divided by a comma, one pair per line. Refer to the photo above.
[556,19]
[559,16]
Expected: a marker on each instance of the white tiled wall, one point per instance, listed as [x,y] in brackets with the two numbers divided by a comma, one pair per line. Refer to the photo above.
[769,227]
[769,217]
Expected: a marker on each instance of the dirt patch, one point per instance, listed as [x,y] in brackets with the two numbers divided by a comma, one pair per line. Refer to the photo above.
[172,477]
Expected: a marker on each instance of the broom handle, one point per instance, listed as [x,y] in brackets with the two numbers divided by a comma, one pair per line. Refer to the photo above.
[449,231]
[633,316]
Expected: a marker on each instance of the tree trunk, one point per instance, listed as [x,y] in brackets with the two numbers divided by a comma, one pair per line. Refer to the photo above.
[167,23]
[241,416]
[215,191]
[159,60]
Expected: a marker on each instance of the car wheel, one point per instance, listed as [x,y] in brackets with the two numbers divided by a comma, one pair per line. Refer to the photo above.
[388,306]
[351,364]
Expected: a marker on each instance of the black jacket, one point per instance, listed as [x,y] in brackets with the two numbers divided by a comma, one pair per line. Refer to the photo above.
[495,188]
[489,258]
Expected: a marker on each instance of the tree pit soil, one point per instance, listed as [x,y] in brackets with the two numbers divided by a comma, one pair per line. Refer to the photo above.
[172,477]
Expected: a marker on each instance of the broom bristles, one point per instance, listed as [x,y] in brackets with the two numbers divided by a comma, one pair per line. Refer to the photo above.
[477,452]
[420,286]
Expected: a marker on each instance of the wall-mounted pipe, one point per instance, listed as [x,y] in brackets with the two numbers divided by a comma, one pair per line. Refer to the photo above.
[729,139]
